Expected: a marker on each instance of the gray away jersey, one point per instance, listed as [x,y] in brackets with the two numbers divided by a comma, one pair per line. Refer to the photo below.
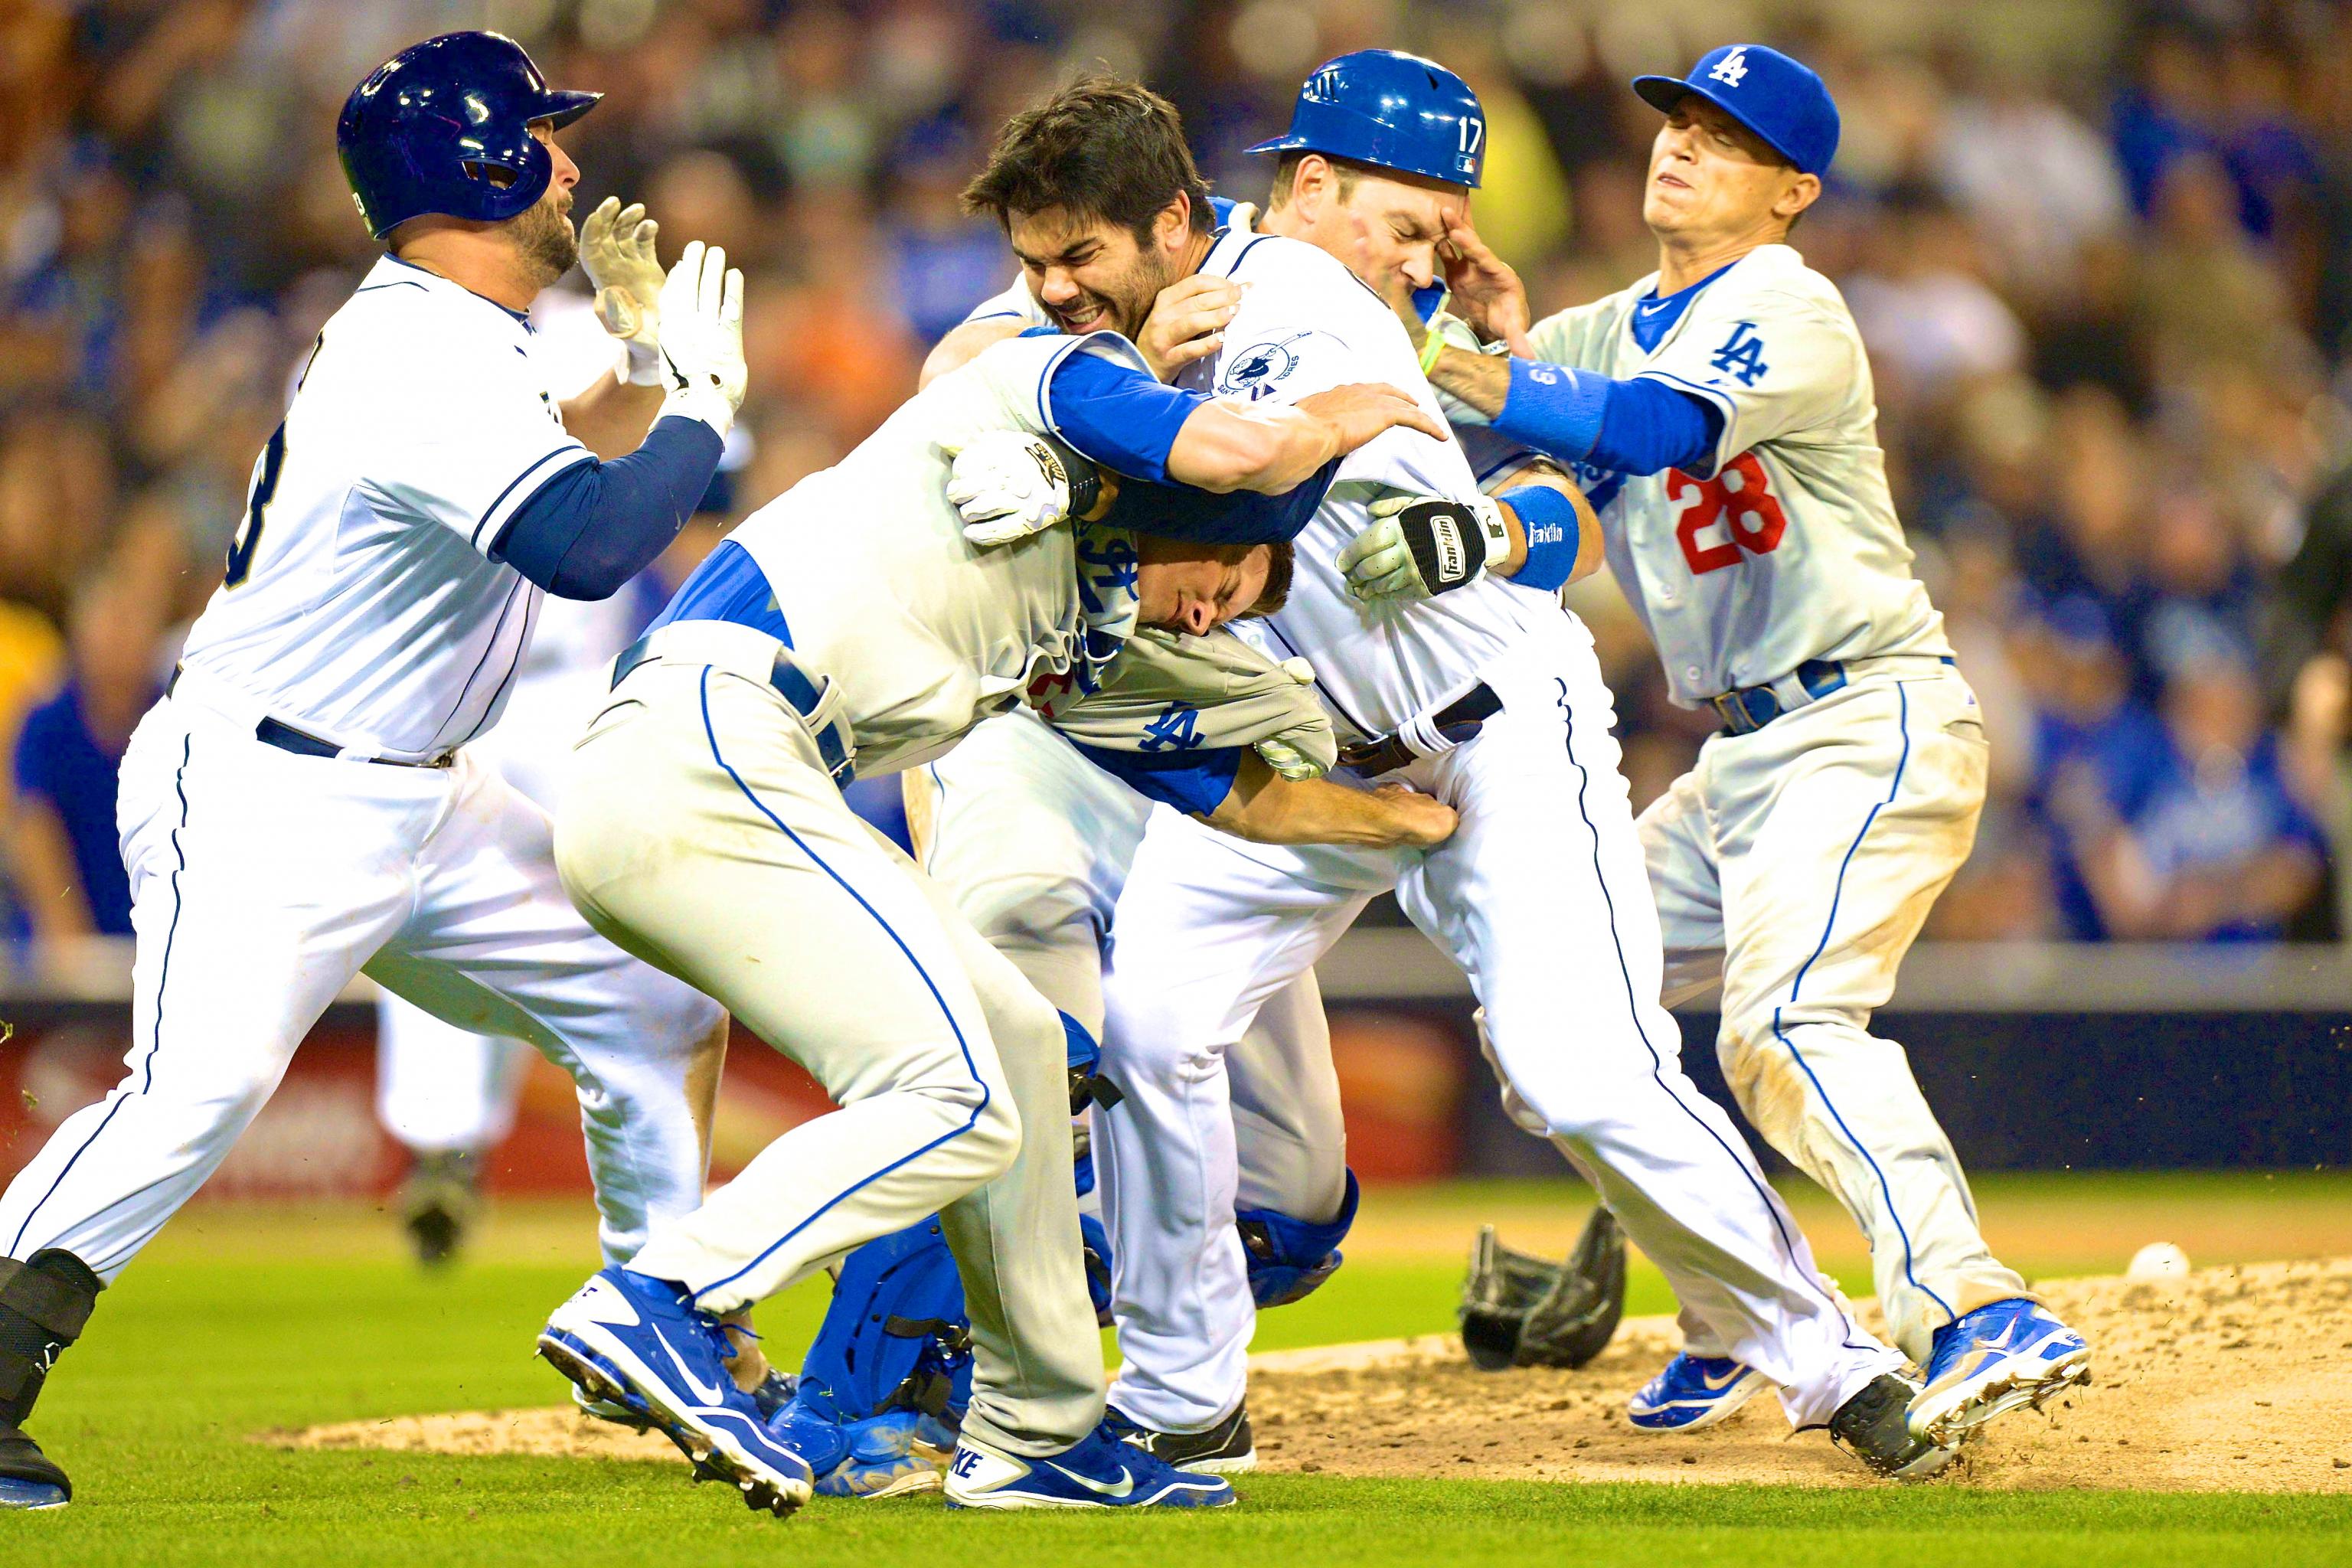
[1788,549]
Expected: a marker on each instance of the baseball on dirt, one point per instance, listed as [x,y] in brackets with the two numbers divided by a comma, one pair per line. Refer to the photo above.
[2157,1261]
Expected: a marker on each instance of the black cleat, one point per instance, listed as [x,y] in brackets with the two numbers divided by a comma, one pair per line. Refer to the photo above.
[1225,1449]
[28,1477]
[1875,1428]
[438,1204]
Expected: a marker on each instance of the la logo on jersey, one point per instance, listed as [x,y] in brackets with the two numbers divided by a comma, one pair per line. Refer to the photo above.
[1732,68]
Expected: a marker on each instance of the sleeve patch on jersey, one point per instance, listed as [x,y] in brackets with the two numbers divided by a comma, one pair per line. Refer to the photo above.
[1259,369]
[1742,355]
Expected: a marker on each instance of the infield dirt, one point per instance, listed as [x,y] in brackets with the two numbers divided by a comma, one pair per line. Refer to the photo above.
[2224,1380]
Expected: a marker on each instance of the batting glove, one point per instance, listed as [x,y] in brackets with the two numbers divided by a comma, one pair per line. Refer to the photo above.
[1285,758]
[1009,484]
[1418,546]
[616,251]
[701,306]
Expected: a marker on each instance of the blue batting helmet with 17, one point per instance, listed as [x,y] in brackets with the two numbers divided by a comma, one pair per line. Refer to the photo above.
[1392,111]
[444,126]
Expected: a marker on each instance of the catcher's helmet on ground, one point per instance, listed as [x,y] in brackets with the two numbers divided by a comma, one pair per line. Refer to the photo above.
[444,126]
[1392,111]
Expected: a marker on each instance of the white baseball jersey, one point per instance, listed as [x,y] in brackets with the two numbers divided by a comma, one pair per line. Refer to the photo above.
[1788,549]
[927,633]
[361,603]
[1307,324]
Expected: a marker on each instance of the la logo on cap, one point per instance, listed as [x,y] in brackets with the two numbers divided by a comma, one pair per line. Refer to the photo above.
[1733,67]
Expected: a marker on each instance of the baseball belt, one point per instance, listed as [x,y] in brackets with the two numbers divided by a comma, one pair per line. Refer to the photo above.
[801,694]
[1750,708]
[302,743]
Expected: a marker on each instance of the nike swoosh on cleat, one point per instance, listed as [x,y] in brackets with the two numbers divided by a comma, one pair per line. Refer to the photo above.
[1712,1386]
[710,1393]
[1126,1482]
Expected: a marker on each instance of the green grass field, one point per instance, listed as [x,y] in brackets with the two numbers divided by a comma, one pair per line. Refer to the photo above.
[238,1321]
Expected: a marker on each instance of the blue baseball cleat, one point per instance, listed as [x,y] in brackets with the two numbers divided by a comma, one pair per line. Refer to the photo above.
[640,1344]
[1694,1392]
[1099,1471]
[1998,1358]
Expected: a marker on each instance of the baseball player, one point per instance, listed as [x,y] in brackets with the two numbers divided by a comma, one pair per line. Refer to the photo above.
[446,1095]
[851,627]
[299,808]
[1034,846]
[1721,412]
[1493,704]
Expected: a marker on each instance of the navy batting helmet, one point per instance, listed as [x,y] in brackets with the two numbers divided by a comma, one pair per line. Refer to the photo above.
[444,126]
[1392,111]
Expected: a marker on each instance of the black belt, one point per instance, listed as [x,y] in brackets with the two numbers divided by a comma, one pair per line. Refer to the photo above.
[1457,721]
[1751,708]
[792,683]
[302,743]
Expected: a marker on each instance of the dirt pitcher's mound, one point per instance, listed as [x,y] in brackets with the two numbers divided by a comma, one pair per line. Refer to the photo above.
[2232,1379]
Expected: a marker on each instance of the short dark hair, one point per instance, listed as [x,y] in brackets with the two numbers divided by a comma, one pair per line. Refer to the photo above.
[1101,148]
[1282,562]
[1285,175]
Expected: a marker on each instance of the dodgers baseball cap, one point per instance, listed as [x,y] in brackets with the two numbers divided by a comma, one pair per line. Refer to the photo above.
[1781,99]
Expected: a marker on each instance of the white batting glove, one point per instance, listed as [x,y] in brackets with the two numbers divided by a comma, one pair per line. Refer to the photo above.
[701,305]
[1009,484]
[1418,546]
[616,251]
[1283,757]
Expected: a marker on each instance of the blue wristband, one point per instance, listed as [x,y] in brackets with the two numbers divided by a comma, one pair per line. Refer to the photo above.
[1548,520]
[1553,408]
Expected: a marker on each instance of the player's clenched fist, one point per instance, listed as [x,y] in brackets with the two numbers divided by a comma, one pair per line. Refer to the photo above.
[1009,484]
[1420,545]
[701,306]
[1423,821]
[616,251]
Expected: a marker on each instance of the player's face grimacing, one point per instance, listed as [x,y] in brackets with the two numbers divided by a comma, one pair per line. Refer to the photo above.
[1387,226]
[1197,588]
[1710,175]
[1092,276]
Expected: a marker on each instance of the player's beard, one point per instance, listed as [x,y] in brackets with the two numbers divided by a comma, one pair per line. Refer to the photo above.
[543,233]
[1124,305]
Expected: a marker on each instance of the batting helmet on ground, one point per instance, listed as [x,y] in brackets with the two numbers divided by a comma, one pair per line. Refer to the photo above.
[1392,111]
[444,126]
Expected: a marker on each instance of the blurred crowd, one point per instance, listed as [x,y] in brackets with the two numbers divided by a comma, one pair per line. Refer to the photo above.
[2104,266]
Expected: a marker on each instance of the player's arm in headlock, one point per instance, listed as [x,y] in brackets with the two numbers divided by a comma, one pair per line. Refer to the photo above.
[1167,461]
[595,524]
[1216,728]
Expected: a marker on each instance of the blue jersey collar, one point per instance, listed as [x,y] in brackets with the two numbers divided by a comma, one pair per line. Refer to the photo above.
[1655,317]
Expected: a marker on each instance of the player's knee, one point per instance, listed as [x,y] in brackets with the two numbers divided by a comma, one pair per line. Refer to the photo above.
[991,1141]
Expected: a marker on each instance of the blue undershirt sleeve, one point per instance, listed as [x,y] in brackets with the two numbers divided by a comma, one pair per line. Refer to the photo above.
[1194,782]
[1119,415]
[1636,426]
[594,525]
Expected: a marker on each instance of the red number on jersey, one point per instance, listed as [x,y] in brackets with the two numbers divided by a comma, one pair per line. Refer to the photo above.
[1737,498]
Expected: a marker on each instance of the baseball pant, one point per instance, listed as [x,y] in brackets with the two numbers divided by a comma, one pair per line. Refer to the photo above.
[700,831]
[1033,843]
[1541,898]
[441,1089]
[1796,863]
[261,882]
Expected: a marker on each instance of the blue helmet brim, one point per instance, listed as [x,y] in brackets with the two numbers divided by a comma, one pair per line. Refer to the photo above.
[560,108]
[1663,92]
